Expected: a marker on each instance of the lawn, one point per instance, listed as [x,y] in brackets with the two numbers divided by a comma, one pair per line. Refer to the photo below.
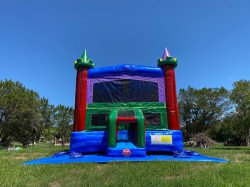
[234,173]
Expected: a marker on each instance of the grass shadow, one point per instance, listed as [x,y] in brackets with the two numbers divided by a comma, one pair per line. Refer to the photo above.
[231,148]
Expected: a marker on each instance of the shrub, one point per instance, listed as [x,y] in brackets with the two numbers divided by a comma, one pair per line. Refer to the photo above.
[202,140]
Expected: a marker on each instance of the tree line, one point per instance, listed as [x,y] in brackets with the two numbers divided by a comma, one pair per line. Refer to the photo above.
[221,114]
[25,116]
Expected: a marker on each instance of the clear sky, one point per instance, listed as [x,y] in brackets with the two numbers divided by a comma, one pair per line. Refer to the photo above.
[40,39]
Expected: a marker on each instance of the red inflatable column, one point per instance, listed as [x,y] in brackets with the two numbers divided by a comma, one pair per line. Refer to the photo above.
[82,65]
[80,99]
[167,63]
[171,97]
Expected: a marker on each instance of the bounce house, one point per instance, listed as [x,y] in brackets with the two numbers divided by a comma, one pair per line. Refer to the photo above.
[125,113]
[126,110]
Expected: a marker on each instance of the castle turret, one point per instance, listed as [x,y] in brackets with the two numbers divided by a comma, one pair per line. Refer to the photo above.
[168,64]
[82,65]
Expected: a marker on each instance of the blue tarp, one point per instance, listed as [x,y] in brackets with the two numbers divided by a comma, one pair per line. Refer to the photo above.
[65,159]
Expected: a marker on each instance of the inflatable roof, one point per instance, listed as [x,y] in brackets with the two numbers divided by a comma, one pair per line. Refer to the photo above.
[130,69]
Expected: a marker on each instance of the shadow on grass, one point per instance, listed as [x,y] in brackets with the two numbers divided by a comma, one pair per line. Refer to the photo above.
[232,148]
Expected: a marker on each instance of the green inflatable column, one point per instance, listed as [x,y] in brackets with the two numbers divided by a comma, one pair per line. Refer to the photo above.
[140,128]
[112,128]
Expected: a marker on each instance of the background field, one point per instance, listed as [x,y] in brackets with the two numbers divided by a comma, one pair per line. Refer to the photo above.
[235,173]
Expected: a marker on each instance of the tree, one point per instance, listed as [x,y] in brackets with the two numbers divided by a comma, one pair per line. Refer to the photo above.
[5,111]
[20,118]
[63,121]
[201,108]
[47,112]
[240,95]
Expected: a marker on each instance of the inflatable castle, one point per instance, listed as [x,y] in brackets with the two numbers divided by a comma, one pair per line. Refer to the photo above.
[125,113]
[126,110]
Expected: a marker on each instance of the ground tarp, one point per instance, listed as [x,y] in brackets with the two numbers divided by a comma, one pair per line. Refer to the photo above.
[65,159]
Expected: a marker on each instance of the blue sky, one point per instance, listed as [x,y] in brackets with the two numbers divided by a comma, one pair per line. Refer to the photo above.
[40,39]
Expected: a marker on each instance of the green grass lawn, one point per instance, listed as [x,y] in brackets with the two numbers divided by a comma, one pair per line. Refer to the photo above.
[234,173]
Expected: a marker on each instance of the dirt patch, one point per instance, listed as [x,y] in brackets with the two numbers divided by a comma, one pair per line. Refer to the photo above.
[173,177]
[54,184]
[75,171]
[237,158]
[15,158]
[109,181]
[100,167]
[240,157]
[20,158]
